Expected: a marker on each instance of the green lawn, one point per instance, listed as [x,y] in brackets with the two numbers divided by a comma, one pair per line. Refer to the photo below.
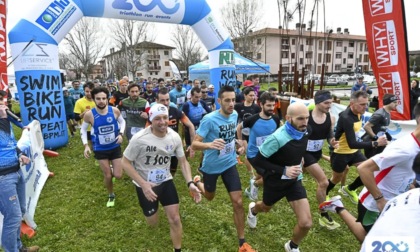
[71,215]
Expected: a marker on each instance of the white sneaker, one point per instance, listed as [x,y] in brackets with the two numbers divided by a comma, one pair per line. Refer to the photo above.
[289,249]
[331,205]
[247,193]
[251,219]
[340,190]
[253,190]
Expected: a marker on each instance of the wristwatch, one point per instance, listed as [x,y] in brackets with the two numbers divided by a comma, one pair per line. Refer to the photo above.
[375,144]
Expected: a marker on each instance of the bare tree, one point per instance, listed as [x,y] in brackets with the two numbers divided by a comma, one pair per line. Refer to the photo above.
[188,47]
[128,34]
[85,44]
[242,17]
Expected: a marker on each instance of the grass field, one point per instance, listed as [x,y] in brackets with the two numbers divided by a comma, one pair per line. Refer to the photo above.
[71,215]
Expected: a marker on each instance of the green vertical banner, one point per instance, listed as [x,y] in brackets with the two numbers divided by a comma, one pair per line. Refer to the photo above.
[222,69]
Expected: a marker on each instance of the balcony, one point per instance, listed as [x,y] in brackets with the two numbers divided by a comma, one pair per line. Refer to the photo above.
[152,68]
[153,57]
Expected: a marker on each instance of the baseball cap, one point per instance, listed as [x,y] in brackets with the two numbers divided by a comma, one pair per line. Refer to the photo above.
[157,109]
[211,86]
[248,83]
[65,89]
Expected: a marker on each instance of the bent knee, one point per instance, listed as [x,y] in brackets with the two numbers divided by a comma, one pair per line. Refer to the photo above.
[305,223]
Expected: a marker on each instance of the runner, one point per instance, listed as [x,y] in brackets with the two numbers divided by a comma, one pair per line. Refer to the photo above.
[150,151]
[108,130]
[216,138]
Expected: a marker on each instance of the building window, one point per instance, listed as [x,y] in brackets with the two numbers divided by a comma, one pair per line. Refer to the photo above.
[339,43]
[301,61]
[258,55]
[337,67]
[139,74]
[320,45]
[319,57]
[360,58]
[366,47]
[351,43]
[338,55]
[344,61]
[167,63]
[308,55]
[284,55]
[345,49]
[308,67]
[167,74]
[349,66]
[366,58]
[351,55]
[285,69]
[292,55]
[284,41]
[361,47]
[329,45]
[258,41]
[293,41]
[301,48]
[166,53]
[309,41]
[328,58]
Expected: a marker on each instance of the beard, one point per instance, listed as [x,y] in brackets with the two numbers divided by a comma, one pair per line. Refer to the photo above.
[100,107]
[268,112]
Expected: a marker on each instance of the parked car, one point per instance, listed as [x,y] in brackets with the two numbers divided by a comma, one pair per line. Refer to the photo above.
[345,77]
[368,79]
[334,81]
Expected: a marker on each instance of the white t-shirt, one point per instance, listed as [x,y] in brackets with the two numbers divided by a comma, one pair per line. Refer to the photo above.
[395,170]
[151,155]
[398,222]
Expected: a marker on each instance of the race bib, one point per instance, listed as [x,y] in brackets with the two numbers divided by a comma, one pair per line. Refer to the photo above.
[260,140]
[156,175]
[76,97]
[180,100]
[107,138]
[134,130]
[229,148]
[405,186]
[315,145]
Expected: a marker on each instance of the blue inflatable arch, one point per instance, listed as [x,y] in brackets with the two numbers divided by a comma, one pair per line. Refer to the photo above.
[34,41]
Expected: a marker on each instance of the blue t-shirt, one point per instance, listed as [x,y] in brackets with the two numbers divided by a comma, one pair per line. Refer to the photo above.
[178,97]
[76,93]
[260,129]
[214,126]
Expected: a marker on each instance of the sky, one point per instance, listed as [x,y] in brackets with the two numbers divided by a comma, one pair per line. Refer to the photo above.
[340,13]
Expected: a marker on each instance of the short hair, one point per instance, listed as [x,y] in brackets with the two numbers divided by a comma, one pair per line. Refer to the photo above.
[3,94]
[74,81]
[355,95]
[130,86]
[163,91]
[225,89]
[98,90]
[149,83]
[265,97]
[178,82]
[248,90]
[253,77]
[203,82]
[195,90]
[161,79]
[272,89]
[89,85]
[203,86]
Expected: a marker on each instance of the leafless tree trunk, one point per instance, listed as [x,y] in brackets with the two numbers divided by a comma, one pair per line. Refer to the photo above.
[242,17]
[85,44]
[188,46]
[128,34]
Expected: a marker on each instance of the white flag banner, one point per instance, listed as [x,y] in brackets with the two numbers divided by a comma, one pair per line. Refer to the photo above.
[35,173]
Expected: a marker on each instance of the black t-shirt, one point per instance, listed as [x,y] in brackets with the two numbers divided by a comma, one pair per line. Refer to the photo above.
[246,111]
[174,116]
[151,98]
[118,96]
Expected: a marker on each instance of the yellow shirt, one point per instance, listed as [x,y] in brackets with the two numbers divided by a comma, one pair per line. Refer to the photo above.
[82,105]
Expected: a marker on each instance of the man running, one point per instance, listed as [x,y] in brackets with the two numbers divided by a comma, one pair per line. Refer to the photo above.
[150,152]
[216,138]
[348,152]
[108,130]
[281,158]
[261,125]
[322,125]
[178,95]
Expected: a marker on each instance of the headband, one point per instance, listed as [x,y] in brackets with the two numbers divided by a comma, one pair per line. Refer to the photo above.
[390,99]
[157,109]
[322,97]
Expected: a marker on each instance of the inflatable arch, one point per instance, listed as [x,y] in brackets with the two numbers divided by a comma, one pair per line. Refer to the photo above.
[34,41]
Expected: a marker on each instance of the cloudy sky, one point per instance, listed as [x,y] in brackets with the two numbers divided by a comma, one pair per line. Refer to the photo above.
[340,13]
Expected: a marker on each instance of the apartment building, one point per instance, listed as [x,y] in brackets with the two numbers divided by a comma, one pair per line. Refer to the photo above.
[151,60]
[339,51]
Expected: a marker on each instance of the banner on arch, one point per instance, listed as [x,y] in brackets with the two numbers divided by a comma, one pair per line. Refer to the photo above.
[388,51]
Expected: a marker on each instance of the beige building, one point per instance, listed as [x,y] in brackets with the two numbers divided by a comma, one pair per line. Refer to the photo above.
[340,51]
[152,60]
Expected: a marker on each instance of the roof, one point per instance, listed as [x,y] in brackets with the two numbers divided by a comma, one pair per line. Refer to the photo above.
[144,45]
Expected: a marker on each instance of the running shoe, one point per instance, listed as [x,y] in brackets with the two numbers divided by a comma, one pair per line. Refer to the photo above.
[329,224]
[247,193]
[340,190]
[111,201]
[196,179]
[351,194]
[238,158]
[253,190]
[331,205]
[289,249]
[251,219]
[29,249]
[246,248]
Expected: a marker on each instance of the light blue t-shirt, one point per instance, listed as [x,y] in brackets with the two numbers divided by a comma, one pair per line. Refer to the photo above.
[178,97]
[213,126]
